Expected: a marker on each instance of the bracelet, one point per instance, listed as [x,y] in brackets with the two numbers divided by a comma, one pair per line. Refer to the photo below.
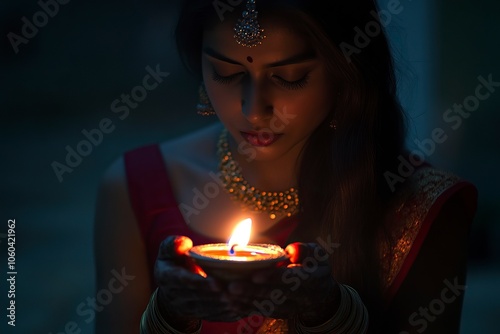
[350,318]
[153,322]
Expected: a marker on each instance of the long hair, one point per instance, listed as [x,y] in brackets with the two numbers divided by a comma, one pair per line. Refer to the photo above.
[343,193]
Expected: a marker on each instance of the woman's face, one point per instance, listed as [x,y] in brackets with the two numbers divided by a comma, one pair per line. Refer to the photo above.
[270,97]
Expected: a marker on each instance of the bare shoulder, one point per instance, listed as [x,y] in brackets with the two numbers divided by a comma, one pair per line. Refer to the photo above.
[188,159]
[113,188]
[114,176]
[114,218]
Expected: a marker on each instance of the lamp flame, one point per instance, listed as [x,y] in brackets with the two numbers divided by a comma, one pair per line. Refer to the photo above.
[241,233]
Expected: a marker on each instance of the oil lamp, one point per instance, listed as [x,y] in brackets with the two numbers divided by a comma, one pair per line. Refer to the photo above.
[237,258]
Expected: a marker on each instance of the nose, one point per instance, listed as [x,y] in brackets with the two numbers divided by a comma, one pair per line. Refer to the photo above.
[256,103]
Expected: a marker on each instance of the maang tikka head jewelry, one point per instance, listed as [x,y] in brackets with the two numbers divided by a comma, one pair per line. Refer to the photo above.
[247,30]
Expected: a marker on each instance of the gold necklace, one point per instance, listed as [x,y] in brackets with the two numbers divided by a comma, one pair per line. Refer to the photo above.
[274,203]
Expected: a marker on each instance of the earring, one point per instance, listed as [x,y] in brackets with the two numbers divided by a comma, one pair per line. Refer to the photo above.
[333,124]
[204,107]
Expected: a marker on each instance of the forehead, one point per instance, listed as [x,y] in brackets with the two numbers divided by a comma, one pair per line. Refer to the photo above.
[282,38]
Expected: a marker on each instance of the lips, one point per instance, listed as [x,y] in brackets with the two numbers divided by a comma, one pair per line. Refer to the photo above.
[260,139]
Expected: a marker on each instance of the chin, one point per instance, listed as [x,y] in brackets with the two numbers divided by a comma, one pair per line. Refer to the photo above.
[269,153]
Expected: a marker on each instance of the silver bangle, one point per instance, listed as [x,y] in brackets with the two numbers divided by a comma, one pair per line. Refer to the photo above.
[350,318]
[153,322]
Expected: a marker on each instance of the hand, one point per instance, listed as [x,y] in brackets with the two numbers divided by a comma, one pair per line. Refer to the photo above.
[305,287]
[185,293]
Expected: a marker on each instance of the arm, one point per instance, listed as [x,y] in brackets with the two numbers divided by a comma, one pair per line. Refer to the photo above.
[119,252]
[430,299]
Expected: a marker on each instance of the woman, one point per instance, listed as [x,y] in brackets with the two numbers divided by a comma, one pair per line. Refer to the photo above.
[312,119]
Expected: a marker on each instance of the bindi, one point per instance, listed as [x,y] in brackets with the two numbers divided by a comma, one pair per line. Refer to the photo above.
[250,59]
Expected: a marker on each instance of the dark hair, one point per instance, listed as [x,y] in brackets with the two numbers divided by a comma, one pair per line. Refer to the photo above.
[342,187]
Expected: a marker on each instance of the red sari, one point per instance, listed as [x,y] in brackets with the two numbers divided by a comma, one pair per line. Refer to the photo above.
[415,207]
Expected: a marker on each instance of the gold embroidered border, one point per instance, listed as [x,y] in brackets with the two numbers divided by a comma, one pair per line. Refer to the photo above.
[274,326]
[412,204]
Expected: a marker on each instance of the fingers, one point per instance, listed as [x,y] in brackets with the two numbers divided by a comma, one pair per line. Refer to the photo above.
[171,274]
[275,303]
[284,290]
[300,252]
[195,304]
[295,251]
[174,249]
[174,246]
[174,268]
[308,260]
[190,295]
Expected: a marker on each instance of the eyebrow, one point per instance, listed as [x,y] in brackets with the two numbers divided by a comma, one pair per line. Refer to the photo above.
[295,59]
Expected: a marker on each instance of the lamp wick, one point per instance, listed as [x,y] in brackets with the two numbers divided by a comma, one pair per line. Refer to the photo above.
[231,250]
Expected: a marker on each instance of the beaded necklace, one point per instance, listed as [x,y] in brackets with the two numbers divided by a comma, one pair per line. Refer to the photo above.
[273,203]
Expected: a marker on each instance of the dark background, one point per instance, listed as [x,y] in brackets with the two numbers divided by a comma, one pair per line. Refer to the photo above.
[65,78]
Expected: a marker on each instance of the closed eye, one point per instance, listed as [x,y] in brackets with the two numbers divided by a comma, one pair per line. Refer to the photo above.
[292,85]
[226,80]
